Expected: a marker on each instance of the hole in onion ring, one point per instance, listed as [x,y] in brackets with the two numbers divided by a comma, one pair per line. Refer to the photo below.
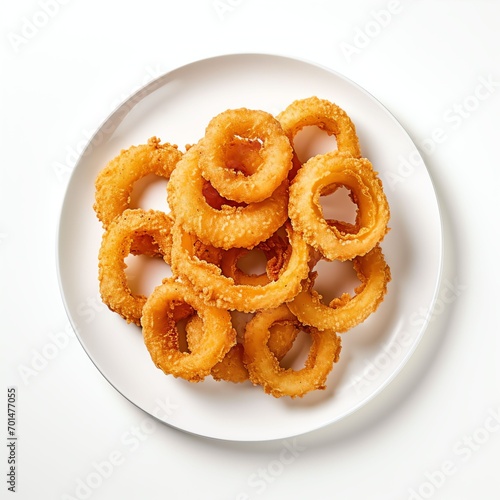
[339,205]
[243,154]
[253,262]
[239,321]
[311,141]
[149,192]
[334,279]
[180,326]
[142,273]
[296,357]
[215,200]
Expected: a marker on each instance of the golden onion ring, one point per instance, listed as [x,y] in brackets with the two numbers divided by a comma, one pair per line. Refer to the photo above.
[116,245]
[240,226]
[222,291]
[162,337]
[358,176]
[325,115]
[116,180]
[275,154]
[345,312]
[115,183]
[232,367]
[264,368]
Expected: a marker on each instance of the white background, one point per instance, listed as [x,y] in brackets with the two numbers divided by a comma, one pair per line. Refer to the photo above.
[434,432]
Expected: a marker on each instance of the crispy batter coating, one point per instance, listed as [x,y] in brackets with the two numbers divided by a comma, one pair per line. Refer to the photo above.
[264,368]
[240,226]
[275,154]
[345,312]
[242,188]
[223,291]
[276,251]
[232,367]
[325,115]
[161,335]
[357,175]
[116,245]
[116,180]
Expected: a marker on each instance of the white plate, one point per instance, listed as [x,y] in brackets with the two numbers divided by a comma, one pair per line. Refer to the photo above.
[176,107]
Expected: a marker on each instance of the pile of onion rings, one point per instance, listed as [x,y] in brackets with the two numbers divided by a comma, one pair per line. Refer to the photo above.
[240,192]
